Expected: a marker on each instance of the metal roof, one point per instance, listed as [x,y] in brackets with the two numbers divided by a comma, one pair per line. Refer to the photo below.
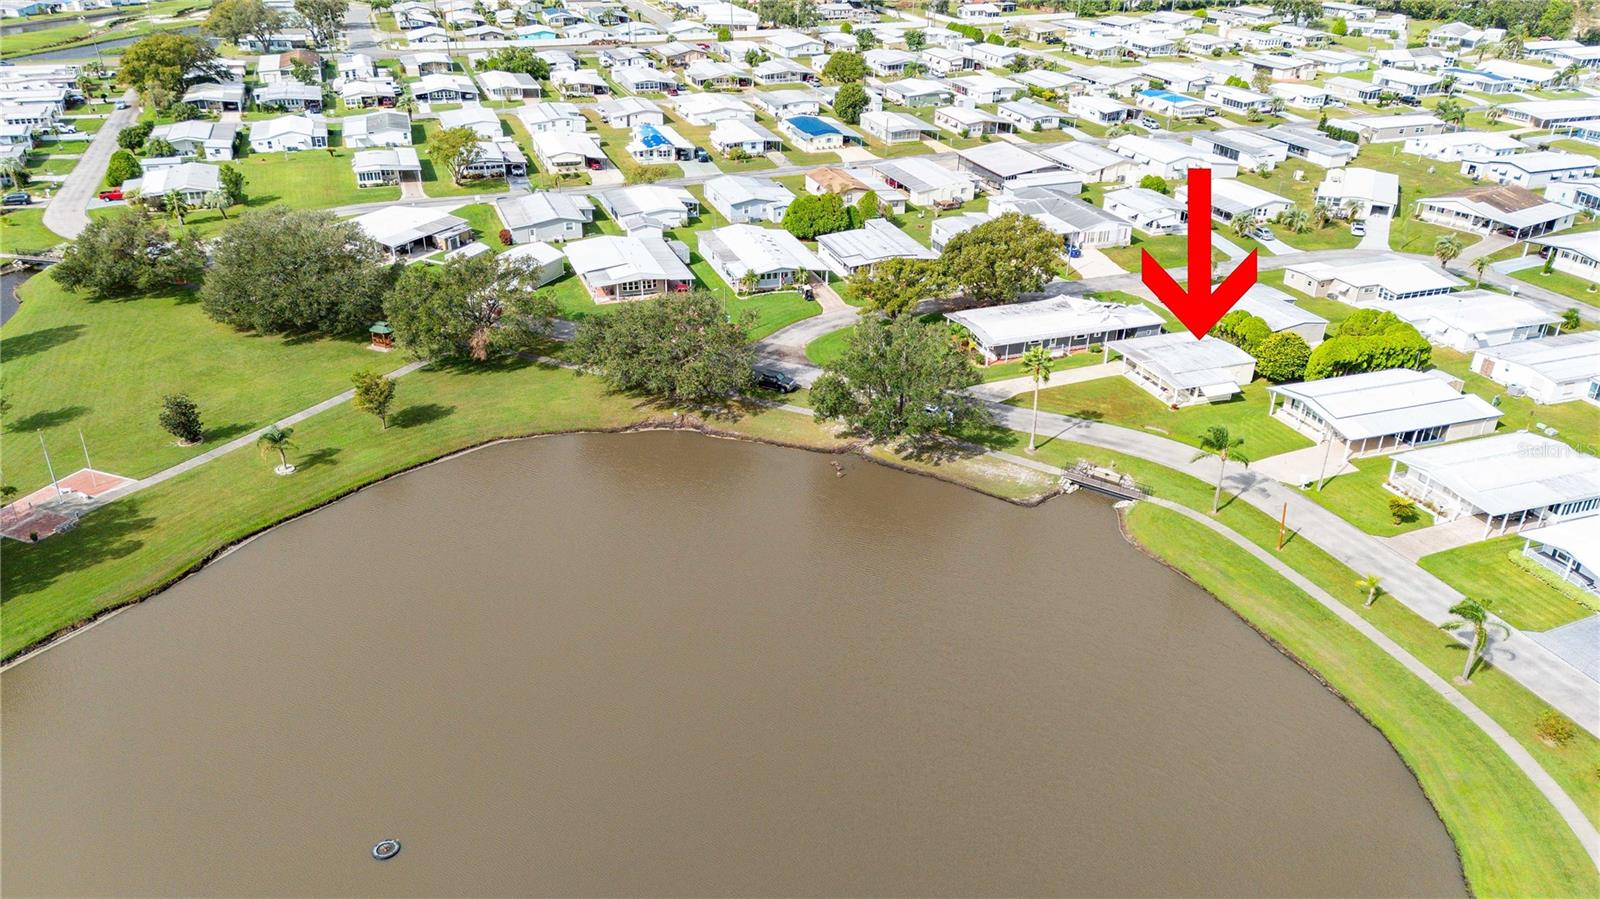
[1508,473]
[1053,319]
[1184,362]
[1393,401]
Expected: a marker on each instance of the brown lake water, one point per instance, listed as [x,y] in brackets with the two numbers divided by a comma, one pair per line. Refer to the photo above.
[658,664]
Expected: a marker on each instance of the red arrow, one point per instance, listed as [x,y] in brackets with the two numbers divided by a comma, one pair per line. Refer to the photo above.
[1200,306]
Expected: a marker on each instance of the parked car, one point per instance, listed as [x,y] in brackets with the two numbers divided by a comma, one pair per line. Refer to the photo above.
[16,198]
[1359,229]
[596,165]
[700,155]
[772,379]
[121,104]
[1262,233]
[113,194]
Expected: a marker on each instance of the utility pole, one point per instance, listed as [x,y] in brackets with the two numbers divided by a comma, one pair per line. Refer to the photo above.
[1322,477]
[1283,521]
[53,482]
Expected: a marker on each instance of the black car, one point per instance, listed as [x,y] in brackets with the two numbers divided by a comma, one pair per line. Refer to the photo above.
[16,198]
[772,379]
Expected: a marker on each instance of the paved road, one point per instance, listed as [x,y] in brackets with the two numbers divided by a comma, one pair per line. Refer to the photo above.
[67,214]
[1574,817]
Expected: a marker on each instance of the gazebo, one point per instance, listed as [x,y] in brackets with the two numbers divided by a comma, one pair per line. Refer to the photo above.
[382,337]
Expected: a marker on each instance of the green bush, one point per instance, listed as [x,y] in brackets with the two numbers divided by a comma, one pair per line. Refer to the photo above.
[1554,728]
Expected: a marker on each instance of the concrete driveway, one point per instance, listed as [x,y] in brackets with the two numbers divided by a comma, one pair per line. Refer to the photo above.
[1377,236]
[1091,263]
[66,215]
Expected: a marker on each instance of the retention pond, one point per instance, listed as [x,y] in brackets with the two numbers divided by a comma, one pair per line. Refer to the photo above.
[659,664]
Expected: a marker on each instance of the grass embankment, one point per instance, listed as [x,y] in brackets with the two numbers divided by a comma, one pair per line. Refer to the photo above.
[1511,840]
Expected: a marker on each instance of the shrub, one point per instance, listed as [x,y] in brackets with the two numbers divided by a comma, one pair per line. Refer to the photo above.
[180,417]
[124,166]
[1554,728]
[1155,183]
[505,237]
[134,136]
[1401,510]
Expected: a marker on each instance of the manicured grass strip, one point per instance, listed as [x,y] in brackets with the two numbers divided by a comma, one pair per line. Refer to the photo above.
[1484,572]
[1119,401]
[1511,840]
[310,179]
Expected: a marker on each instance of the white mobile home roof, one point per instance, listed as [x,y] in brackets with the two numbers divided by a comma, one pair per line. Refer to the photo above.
[1186,363]
[747,248]
[1394,401]
[1475,312]
[1578,537]
[874,242]
[1276,308]
[1051,319]
[1508,473]
[618,259]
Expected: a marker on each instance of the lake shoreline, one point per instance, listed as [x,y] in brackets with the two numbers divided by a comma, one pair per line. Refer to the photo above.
[679,423]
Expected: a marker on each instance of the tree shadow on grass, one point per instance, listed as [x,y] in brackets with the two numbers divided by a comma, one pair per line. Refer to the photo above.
[16,346]
[420,414]
[321,456]
[40,421]
[224,433]
[106,534]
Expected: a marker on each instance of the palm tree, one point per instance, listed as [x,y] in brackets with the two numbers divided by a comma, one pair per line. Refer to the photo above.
[1492,114]
[14,171]
[1244,223]
[176,205]
[1447,248]
[1370,585]
[1036,364]
[1216,441]
[1451,111]
[1295,219]
[1470,614]
[1478,265]
[276,439]
[1319,216]
[218,200]
[1569,75]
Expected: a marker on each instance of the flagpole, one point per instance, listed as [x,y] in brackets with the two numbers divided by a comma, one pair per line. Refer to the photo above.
[52,468]
[93,481]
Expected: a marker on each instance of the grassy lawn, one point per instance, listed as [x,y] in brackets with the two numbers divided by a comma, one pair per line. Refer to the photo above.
[829,346]
[485,223]
[1360,499]
[797,157]
[1510,839]
[23,231]
[1484,572]
[1168,249]
[1568,285]
[311,179]
[1116,400]
[103,366]
[43,165]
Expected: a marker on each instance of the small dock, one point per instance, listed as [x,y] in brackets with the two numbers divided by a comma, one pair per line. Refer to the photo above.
[1102,480]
